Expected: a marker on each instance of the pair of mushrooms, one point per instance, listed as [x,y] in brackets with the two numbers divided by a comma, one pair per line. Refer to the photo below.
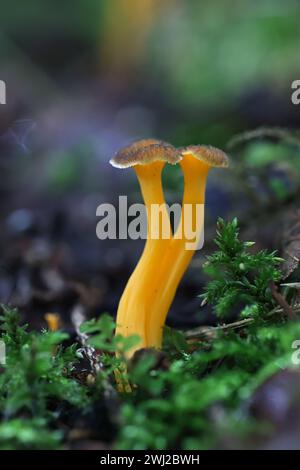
[148,295]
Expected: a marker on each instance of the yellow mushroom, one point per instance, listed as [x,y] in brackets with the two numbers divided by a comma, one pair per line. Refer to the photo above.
[53,321]
[152,286]
[148,158]
[196,163]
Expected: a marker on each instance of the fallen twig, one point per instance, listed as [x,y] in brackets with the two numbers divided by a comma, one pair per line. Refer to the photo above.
[265,132]
[209,333]
[287,309]
[97,367]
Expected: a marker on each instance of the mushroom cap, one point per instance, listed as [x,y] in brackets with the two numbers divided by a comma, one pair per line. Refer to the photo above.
[145,151]
[212,156]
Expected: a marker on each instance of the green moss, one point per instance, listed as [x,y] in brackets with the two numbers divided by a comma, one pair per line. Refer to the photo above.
[37,371]
[187,396]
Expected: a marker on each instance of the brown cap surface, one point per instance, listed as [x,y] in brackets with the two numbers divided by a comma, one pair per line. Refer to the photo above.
[143,152]
[212,156]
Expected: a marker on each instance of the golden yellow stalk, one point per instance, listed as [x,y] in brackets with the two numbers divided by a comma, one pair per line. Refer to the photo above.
[178,257]
[196,163]
[148,158]
[131,317]
[152,286]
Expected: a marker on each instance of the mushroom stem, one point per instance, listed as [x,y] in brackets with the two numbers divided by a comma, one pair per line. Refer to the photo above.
[133,306]
[177,256]
[150,291]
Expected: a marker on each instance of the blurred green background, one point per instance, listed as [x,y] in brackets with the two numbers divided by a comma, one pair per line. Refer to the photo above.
[190,69]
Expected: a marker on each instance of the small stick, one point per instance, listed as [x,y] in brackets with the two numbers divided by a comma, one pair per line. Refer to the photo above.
[97,367]
[288,310]
[210,332]
[265,132]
